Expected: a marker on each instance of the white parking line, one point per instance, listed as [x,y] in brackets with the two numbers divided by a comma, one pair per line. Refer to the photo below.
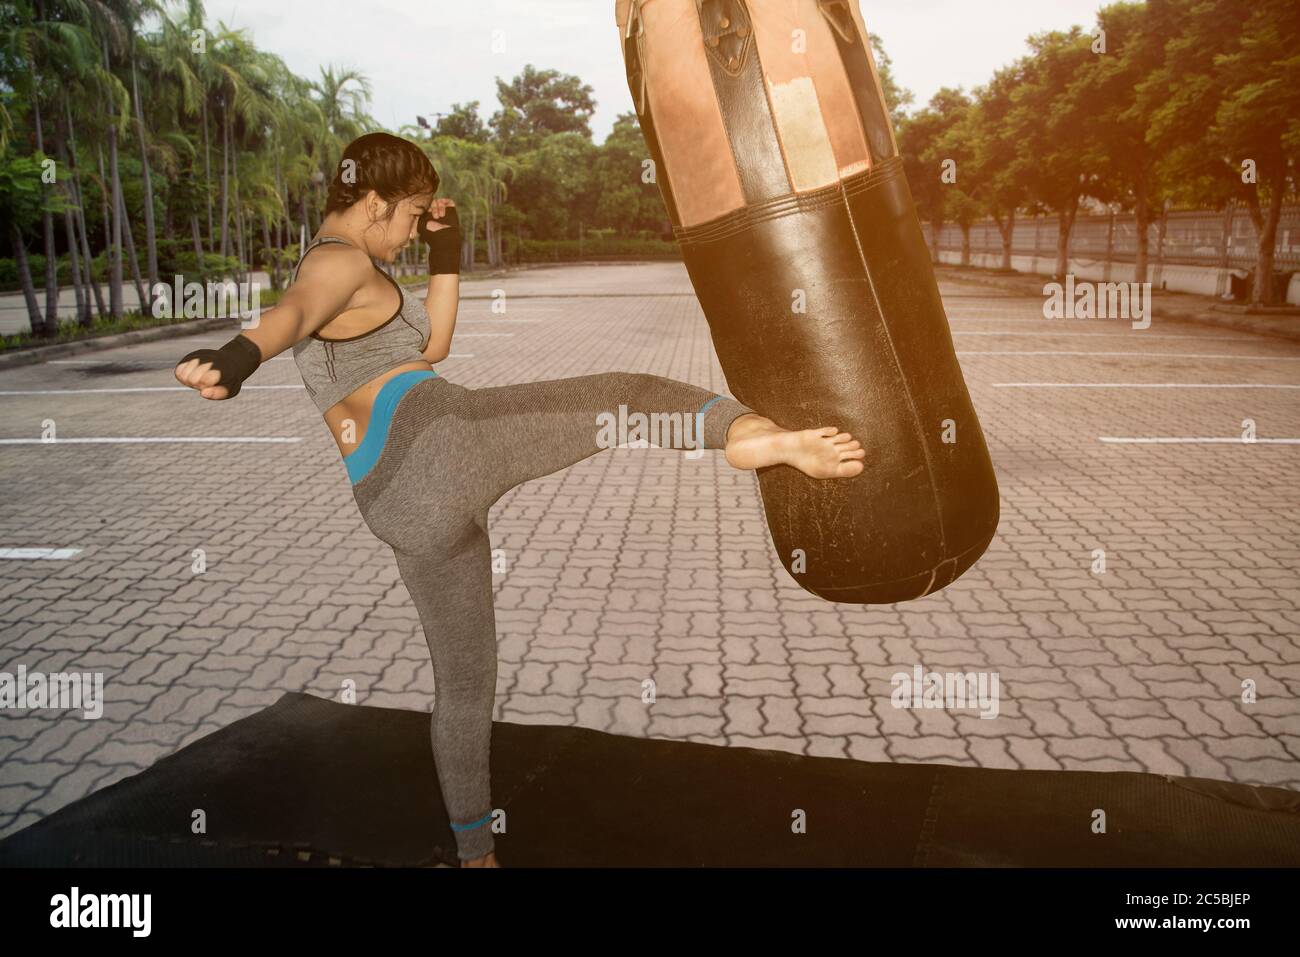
[1142,385]
[1130,355]
[128,362]
[1037,322]
[167,438]
[1106,335]
[28,553]
[1213,440]
[142,388]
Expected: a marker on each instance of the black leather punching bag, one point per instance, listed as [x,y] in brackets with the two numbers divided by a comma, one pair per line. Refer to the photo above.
[776,160]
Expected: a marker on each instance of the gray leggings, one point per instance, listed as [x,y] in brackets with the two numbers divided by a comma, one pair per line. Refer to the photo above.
[449,455]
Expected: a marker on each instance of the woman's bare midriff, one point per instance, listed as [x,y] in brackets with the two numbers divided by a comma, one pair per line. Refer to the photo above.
[349,418]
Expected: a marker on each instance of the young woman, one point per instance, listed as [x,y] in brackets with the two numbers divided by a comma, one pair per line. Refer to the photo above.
[427,458]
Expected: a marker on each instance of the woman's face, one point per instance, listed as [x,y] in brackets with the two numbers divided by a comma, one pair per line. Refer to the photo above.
[401,230]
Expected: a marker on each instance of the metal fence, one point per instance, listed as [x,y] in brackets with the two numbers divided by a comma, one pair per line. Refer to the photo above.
[1193,237]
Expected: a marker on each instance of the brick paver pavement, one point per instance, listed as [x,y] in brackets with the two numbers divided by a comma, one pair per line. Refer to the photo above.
[644,563]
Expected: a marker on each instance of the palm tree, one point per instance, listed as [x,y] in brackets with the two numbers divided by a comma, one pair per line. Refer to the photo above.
[475,175]
[45,42]
[343,97]
[112,38]
[243,104]
[139,9]
[192,80]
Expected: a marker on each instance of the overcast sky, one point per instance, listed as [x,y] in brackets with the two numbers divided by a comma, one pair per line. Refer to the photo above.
[423,55]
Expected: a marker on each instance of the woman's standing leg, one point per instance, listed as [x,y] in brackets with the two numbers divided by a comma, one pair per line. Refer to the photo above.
[453,595]
[532,429]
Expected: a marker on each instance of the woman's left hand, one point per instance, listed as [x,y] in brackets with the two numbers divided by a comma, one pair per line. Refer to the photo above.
[438,210]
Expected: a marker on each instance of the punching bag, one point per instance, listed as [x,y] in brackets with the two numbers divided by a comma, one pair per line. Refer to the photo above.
[777,163]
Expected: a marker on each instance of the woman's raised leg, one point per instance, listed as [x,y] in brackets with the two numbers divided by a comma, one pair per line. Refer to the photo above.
[532,429]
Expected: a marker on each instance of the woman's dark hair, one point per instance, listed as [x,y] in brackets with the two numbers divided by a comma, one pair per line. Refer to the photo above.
[393,167]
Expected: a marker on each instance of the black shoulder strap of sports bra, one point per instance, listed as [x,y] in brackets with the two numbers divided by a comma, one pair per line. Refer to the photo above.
[317,242]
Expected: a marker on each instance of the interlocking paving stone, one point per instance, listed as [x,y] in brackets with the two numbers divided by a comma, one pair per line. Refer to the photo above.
[644,564]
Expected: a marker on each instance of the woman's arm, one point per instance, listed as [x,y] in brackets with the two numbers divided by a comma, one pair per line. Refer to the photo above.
[441,230]
[326,283]
[441,304]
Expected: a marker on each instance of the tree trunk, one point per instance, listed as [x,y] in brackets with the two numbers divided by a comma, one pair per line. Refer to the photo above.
[965,244]
[207,169]
[225,182]
[1006,229]
[112,242]
[75,261]
[467,261]
[497,232]
[936,228]
[1159,278]
[1038,225]
[1224,285]
[51,325]
[273,261]
[198,245]
[1065,225]
[25,276]
[79,292]
[1267,232]
[241,251]
[141,295]
[114,185]
[79,198]
[1110,247]
[150,236]
[70,229]
[239,213]
[279,192]
[1143,241]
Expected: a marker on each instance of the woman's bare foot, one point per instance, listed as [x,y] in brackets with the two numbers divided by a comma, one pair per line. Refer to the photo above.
[754,441]
[487,860]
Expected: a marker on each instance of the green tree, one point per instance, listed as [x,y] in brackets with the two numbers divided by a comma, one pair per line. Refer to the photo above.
[1057,153]
[624,200]
[897,98]
[463,123]
[926,144]
[537,103]
[1108,88]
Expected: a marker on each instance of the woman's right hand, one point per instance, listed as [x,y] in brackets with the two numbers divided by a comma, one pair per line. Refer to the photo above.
[202,376]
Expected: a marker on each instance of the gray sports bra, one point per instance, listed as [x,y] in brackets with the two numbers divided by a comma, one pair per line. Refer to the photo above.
[332,369]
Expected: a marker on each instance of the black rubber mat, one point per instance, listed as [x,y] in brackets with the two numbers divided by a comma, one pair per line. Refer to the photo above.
[310,782]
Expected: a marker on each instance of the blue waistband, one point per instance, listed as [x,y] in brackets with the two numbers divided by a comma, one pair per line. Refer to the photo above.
[363,458]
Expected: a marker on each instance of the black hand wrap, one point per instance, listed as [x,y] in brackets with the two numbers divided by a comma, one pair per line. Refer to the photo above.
[236,361]
[444,244]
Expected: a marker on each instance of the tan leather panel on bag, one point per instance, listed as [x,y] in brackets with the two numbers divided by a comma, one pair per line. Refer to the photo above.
[692,136]
[809,93]
[843,122]
[782,38]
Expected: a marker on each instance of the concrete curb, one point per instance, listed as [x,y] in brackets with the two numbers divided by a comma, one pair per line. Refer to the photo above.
[1280,327]
[175,330]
